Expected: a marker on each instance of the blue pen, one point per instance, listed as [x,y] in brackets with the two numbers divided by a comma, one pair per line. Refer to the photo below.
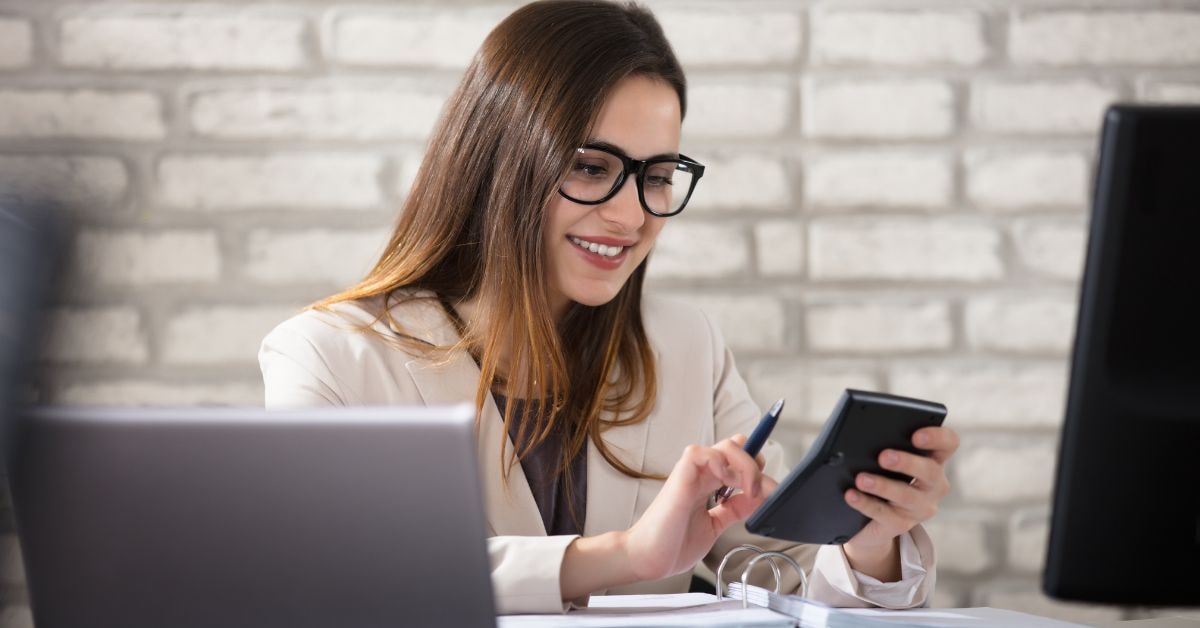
[757,439]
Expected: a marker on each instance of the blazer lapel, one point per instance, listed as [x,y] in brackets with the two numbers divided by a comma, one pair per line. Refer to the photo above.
[510,510]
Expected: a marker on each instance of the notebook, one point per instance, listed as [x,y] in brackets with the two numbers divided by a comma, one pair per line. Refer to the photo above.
[245,517]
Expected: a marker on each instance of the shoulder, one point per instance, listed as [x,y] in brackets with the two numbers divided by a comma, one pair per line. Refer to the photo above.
[672,320]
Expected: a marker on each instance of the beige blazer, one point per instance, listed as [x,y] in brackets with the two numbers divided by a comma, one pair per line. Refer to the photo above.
[318,358]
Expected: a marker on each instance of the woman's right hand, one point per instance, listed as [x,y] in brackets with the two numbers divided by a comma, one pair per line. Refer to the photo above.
[679,528]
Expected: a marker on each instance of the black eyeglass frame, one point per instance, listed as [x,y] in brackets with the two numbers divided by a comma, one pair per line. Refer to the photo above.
[637,167]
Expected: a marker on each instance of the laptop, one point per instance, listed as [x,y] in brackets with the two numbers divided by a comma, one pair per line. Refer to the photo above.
[346,517]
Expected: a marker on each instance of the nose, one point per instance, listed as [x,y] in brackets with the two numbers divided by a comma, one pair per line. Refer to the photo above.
[624,211]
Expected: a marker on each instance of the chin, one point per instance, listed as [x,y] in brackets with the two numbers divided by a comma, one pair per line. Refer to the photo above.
[595,297]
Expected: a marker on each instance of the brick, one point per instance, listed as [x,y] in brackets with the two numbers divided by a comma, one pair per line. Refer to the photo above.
[904,249]
[152,393]
[16,616]
[339,258]
[999,471]
[708,37]
[899,38]
[1020,180]
[1170,92]
[366,114]
[81,113]
[741,182]
[132,258]
[297,181]
[16,43]
[877,109]
[412,36]
[1021,324]
[780,247]
[220,334]
[1023,597]
[88,183]
[183,40]
[994,395]
[879,179]
[700,250]
[1106,38]
[754,107]
[811,389]
[1041,107]
[961,539]
[1028,531]
[97,335]
[407,167]
[748,323]
[879,327]
[1053,248]
[12,571]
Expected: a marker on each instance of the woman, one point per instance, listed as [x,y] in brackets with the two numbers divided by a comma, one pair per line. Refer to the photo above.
[514,278]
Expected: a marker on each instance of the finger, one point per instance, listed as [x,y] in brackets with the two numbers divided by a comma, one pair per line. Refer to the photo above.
[736,508]
[705,466]
[914,503]
[940,442]
[929,473]
[889,519]
[742,464]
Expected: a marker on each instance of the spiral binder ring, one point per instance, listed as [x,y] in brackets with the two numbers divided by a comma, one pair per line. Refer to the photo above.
[771,556]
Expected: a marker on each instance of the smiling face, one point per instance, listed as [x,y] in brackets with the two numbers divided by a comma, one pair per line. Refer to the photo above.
[593,249]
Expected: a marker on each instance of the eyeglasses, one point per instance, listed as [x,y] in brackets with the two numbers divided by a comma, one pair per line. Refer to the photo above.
[664,184]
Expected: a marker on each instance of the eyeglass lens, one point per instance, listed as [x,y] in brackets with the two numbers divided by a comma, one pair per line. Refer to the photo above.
[594,174]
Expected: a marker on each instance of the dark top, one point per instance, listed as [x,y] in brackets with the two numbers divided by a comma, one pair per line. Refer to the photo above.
[541,470]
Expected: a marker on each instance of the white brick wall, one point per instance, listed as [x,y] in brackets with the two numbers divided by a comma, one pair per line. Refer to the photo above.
[702,36]
[879,327]
[905,38]
[220,335]
[184,40]
[1045,107]
[990,394]
[1106,37]
[892,248]
[97,335]
[738,106]
[881,109]
[304,181]
[16,43]
[118,257]
[1021,180]
[724,248]
[80,113]
[347,113]
[418,37]
[895,200]
[336,258]
[878,180]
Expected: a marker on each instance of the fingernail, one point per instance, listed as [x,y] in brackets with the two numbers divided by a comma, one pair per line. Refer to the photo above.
[867,481]
[853,496]
[890,458]
[921,439]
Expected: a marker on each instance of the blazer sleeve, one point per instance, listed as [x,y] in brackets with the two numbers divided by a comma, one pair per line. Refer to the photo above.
[831,580]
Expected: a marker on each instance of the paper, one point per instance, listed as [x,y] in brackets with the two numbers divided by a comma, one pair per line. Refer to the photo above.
[653,611]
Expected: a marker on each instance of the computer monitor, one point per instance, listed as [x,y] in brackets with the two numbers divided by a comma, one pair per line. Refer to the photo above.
[1125,527]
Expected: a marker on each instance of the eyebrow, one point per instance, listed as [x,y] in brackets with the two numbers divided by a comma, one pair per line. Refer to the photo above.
[613,148]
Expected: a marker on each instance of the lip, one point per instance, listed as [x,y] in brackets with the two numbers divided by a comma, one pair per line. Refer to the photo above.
[600,261]
[604,240]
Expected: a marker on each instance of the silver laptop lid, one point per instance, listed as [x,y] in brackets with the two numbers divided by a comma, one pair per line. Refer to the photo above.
[247,517]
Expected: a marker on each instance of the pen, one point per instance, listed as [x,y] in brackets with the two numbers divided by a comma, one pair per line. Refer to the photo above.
[757,439]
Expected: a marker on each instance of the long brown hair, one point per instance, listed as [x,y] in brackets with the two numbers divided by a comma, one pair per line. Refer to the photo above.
[472,225]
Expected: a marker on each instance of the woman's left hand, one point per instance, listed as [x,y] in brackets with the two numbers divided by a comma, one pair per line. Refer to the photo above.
[895,506]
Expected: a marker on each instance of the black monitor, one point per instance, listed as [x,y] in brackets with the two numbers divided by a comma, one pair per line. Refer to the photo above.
[1125,527]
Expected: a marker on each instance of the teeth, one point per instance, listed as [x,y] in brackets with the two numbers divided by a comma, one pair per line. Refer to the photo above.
[599,249]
